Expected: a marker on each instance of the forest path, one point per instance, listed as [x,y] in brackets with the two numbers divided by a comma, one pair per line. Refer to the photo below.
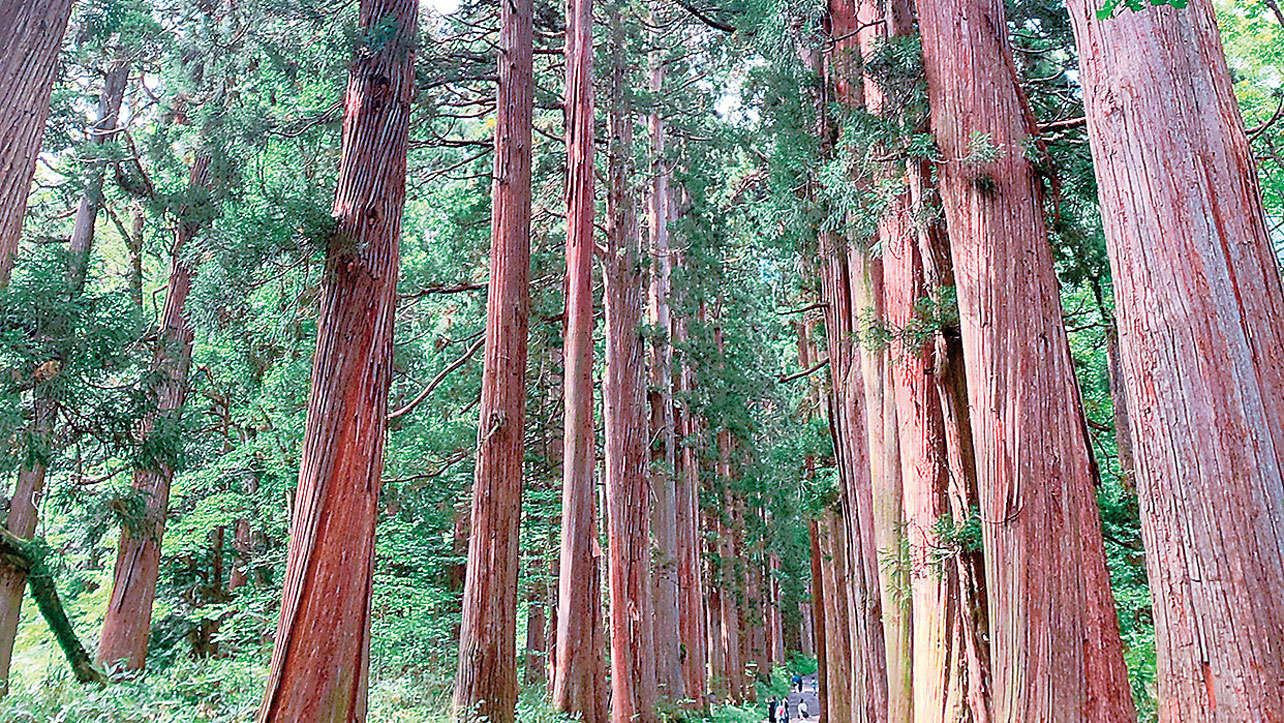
[808,694]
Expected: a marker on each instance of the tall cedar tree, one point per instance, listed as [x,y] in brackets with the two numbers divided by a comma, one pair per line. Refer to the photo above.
[23,511]
[1201,325]
[32,32]
[633,676]
[660,364]
[1054,636]
[127,624]
[579,676]
[320,663]
[946,673]
[486,683]
[691,617]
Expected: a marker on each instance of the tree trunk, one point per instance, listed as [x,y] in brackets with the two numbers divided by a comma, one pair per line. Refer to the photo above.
[578,685]
[660,364]
[82,233]
[633,666]
[127,624]
[1055,639]
[839,675]
[320,659]
[33,31]
[818,623]
[1201,324]
[692,627]
[486,684]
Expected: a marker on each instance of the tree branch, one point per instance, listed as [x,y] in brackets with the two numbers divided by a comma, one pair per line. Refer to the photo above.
[437,380]
[28,556]
[799,375]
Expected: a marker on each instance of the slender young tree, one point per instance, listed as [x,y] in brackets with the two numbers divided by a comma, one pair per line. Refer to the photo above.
[32,32]
[1054,636]
[320,660]
[579,681]
[1201,325]
[486,683]
[127,624]
[633,678]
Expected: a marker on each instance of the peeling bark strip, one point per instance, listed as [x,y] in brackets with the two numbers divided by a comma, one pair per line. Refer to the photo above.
[579,676]
[633,676]
[1054,636]
[486,683]
[321,657]
[1201,324]
[127,624]
[32,31]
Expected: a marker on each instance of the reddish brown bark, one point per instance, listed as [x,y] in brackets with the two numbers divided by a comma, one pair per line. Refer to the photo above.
[1201,324]
[486,682]
[32,32]
[819,644]
[660,365]
[1054,637]
[633,668]
[320,659]
[127,624]
[839,675]
[579,683]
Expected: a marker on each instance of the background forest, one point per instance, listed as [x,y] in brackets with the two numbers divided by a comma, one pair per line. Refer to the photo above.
[205,138]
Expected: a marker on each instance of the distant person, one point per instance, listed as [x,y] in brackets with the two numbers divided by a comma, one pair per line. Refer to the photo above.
[784,712]
[771,710]
[802,709]
[798,682]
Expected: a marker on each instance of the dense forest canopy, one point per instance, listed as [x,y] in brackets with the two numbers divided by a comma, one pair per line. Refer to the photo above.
[401,360]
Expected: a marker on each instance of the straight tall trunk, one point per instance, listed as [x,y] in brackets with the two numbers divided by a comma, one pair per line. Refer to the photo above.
[817,558]
[691,620]
[320,660]
[634,691]
[660,364]
[32,32]
[579,685]
[838,657]
[1055,641]
[486,682]
[127,624]
[1201,325]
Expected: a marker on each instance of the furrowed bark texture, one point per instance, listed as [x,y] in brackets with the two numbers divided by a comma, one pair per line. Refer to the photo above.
[818,625]
[1201,324]
[865,689]
[660,365]
[1054,637]
[633,669]
[579,682]
[32,32]
[486,683]
[869,467]
[82,233]
[127,624]
[321,655]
